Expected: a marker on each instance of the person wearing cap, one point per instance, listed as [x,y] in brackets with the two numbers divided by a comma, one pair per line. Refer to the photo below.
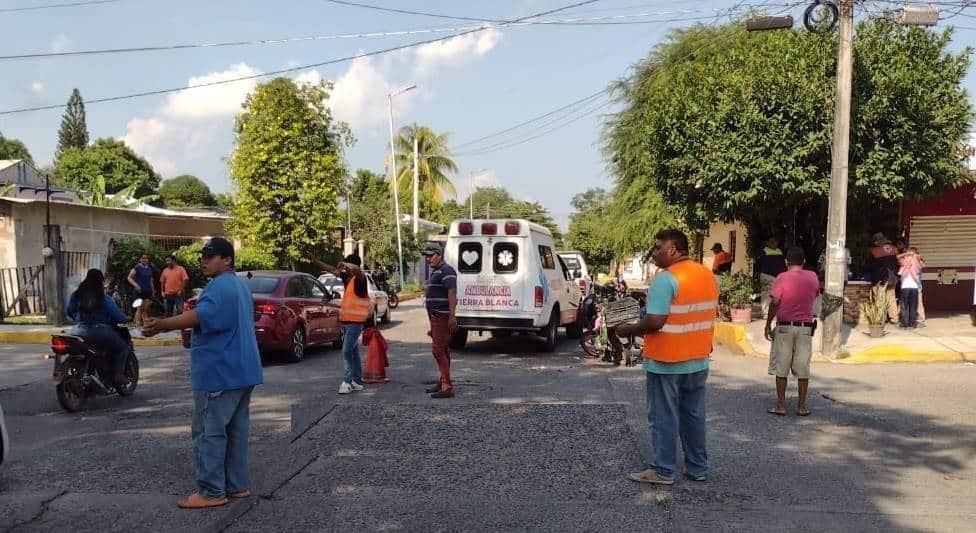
[353,314]
[441,295]
[722,262]
[882,263]
[225,365]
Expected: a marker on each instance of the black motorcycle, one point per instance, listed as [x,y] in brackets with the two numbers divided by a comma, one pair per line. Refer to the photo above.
[391,291]
[81,370]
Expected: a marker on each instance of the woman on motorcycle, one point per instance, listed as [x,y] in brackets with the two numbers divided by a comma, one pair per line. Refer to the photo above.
[95,315]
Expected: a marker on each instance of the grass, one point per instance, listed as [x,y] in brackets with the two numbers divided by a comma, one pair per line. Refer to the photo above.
[25,320]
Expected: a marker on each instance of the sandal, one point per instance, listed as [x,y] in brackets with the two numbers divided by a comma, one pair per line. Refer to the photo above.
[197,501]
[775,411]
[239,495]
[802,411]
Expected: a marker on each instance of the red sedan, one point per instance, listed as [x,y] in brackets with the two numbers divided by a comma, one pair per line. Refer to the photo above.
[292,311]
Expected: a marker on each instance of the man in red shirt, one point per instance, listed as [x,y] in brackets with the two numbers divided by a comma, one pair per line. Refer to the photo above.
[793,295]
[722,262]
[173,281]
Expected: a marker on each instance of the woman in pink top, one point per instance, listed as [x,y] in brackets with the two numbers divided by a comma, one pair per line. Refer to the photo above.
[910,272]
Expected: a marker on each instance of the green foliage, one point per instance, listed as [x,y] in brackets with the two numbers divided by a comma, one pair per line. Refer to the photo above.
[875,310]
[14,149]
[123,199]
[224,200]
[288,168]
[251,259]
[499,203]
[111,159]
[186,191]
[372,220]
[741,130]
[589,229]
[435,162]
[244,259]
[736,290]
[74,128]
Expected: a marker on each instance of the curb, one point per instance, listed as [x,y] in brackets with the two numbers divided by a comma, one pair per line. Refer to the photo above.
[733,337]
[44,337]
[410,296]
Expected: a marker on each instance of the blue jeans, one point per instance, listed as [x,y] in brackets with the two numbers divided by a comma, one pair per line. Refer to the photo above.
[676,406]
[350,352]
[221,423]
[103,337]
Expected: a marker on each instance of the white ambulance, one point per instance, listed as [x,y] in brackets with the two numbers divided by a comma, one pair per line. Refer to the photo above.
[510,279]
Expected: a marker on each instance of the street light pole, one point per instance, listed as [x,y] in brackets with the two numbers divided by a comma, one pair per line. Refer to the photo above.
[836,255]
[396,185]
[416,184]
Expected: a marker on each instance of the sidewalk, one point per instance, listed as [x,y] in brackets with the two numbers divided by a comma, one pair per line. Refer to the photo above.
[13,334]
[944,339]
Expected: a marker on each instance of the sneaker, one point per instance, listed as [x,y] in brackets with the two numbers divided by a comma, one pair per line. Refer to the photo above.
[696,477]
[357,386]
[345,388]
[443,393]
[650,476]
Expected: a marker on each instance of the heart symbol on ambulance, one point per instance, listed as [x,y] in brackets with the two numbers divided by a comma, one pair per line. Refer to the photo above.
[469,257]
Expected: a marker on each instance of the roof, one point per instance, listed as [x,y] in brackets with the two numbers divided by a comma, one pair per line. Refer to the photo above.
[5,163]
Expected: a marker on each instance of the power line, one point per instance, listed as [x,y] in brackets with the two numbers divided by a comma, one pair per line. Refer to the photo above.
[408,12]
[298,68]
[585,21]
[55,6]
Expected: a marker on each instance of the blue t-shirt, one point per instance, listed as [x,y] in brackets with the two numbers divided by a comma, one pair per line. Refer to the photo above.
[442,279]
[659,297]
[108,313]
[144,276]
[224,352]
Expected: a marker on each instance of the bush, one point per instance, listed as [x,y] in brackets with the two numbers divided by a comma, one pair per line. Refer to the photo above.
[251,259]
[124,257]
[245,259]
[736,290]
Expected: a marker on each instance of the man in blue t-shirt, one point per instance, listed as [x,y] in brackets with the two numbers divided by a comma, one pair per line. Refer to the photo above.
[225,365]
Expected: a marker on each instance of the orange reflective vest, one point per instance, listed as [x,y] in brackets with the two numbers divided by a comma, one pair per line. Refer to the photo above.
[354,308]
[687,333]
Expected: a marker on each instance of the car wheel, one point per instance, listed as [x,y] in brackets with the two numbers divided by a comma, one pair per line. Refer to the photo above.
[385,319]
[297,351]
[337,343]
[459,340]
[549,332]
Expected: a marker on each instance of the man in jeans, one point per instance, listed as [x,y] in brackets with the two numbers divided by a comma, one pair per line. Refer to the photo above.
[793,295]
[172,282]
[441,304]
[681,307]
[224,368]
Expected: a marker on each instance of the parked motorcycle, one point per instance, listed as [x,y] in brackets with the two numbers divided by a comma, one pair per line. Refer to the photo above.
[82,371]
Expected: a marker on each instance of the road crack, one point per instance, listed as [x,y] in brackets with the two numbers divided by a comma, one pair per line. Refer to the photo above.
[39,514]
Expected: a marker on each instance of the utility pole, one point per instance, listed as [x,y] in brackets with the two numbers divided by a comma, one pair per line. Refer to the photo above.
[836,255]
[396,185]
[416,183]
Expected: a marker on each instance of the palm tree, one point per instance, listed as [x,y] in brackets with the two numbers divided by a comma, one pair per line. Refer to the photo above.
[435,163]
[125,198]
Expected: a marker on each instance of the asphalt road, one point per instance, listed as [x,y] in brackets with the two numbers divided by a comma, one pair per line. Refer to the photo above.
[531,442]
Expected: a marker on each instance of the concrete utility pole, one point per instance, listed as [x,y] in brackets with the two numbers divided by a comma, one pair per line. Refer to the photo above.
[416,184]
[836,256]
[396,185]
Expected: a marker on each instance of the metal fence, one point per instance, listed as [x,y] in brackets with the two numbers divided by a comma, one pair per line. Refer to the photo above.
[22,291]
[171,243]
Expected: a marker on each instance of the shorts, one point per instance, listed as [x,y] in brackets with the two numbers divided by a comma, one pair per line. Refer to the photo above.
[792,349]
[145,295]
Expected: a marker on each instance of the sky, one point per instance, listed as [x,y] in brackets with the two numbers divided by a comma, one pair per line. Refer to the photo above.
[471,86]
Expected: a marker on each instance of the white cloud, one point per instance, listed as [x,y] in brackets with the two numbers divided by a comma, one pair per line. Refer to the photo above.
[212,101]
[37,87]
[485,178]
[60,43]
[359,96]
[456,51]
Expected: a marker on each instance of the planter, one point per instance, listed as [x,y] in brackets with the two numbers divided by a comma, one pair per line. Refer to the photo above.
[741,315]
[876,331]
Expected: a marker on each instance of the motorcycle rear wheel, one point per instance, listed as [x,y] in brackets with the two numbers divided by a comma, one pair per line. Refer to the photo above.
[394,300]
[71,391]
[591,344]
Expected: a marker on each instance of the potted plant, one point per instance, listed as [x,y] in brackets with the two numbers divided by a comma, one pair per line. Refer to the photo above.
[875,310]
[736,291]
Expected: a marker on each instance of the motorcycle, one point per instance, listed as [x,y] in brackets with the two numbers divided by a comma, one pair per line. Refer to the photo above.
[600,340]
[82,371]
[391,292]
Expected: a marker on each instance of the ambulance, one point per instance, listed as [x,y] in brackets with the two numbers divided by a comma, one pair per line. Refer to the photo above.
[510,279]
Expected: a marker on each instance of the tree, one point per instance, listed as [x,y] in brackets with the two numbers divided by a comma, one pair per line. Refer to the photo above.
[435,162]
[371,206]
[499,203]
[288,168]
[186,191]
[224,200]
[743,130]
[74,129]
[111,159]
[589,228]
[125,198]
[14,149]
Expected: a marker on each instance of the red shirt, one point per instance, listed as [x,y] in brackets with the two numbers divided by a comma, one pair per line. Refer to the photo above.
[796,291]
[172,280]
[720,259]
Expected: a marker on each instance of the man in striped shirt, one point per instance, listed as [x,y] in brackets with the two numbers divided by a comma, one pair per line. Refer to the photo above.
[441,304]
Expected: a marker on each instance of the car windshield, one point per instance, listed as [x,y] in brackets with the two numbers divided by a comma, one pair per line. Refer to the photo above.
[572,263]
[260,284]
[331,282]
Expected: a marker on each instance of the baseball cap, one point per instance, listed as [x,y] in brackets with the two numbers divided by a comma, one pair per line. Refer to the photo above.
[218,246]
[433,248]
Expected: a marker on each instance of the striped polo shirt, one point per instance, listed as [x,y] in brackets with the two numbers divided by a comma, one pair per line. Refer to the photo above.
[442,279]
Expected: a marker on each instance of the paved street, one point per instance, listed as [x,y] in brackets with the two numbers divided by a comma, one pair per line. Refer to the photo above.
[532,442]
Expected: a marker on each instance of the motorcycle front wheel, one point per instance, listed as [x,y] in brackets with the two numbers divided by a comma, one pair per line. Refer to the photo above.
[590,342]
[71,391]
[131,376]
[394,300]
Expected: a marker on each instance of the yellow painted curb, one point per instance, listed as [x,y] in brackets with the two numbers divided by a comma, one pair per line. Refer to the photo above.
[44,337]
[733,337]
[899,354]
